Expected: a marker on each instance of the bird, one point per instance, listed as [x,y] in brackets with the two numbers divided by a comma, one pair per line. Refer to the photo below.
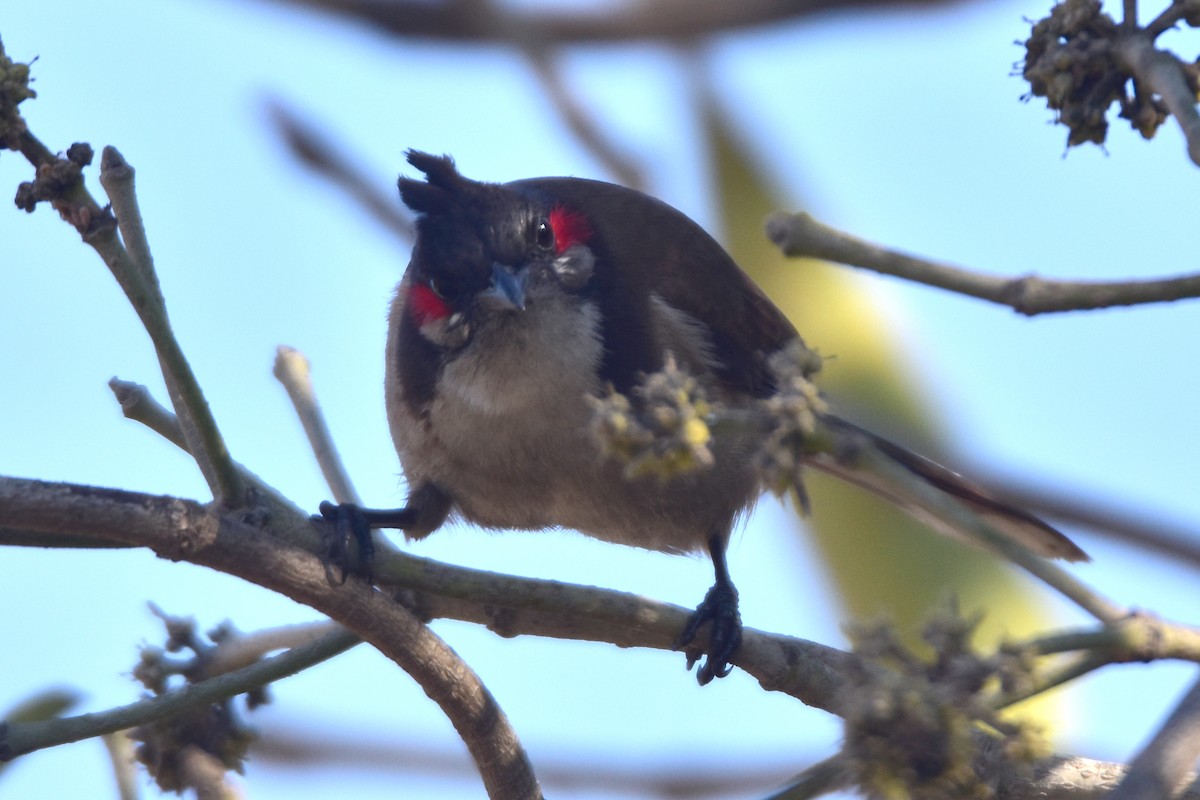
[526,302]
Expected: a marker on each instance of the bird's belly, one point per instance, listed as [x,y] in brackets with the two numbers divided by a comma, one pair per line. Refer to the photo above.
[508,438]
[516,471]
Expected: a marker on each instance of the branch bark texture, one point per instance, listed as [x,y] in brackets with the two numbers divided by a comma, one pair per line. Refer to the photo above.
[801,236]
[183,530]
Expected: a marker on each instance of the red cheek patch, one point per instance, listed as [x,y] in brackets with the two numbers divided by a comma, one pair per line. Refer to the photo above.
[570,228]
[426,306]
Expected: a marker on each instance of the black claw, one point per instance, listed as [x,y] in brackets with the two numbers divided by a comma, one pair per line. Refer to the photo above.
[348,521]
[720,609]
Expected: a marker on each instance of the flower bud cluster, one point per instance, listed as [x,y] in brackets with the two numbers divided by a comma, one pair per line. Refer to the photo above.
[792,414]
[915,725]
[662,431]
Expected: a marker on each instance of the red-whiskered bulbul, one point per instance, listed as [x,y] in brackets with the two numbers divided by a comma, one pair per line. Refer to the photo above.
[522,303]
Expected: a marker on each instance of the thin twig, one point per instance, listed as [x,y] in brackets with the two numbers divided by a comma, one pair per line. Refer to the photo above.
[319,152]
[631,21]
[801,236]
[830,775]
[20,738]
[1135,638]
[63,187]
[1071,669]
[1129,18]
[1167,761]
[244,649]
[137,278]
[121,755]
[585,127]
[294,372]
[117,178]
[204,774]
[1163,73]
[1115,521]
[912,492]
[139,405]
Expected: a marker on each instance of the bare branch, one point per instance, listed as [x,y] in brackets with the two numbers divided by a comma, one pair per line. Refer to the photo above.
[1106,518]
[139,405]
[1136,638]
[134,270]
[185,530]
[320,153]
[1168,760]
[294,372]
[1129,19]
[584,126]
[21,738]
[59,182]
[830,775]
[204,774]
[247,649]
[633,21]
[1163,73]
[801,236]
[121,756]
[509,605]
[719,771]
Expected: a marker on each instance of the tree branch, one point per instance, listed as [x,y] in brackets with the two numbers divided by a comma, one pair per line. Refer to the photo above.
[1170,757]
[318,152]
[295,373]
[18,738]
[645,20]
[585,128]
[59,182]
[864,465]
[133,267]
[1112,520]
[801,236]
[184,530]
[1163,73]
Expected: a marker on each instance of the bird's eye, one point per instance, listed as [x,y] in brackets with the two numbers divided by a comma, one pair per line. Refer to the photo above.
[439,287]
[545,235]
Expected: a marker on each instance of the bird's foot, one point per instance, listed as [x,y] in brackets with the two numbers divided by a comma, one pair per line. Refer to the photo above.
[346,522]
[720,610]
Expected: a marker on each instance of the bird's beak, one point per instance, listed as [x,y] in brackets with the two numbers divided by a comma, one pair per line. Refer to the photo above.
[507,291]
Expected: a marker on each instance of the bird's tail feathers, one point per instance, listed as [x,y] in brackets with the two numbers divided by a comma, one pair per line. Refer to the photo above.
[857,467]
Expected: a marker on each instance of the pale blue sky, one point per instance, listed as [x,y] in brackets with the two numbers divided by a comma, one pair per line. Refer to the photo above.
[905,129]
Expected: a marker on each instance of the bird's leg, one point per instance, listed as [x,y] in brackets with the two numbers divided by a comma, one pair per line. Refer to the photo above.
[720,607]
[348,521]
[428,506]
